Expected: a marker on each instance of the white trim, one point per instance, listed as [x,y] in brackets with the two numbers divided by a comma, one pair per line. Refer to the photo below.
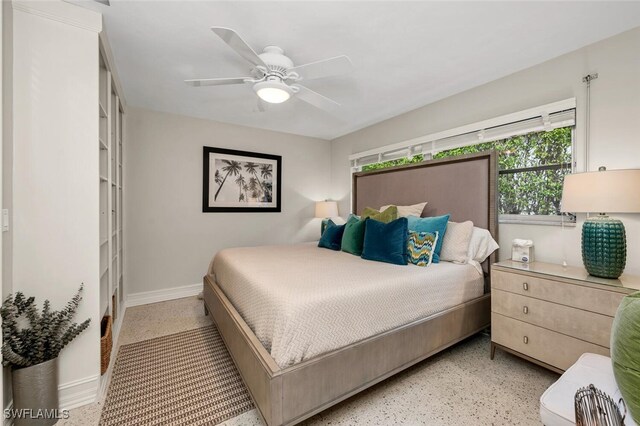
[146,297]
[493,122]
[537,219]
[62,12]
[105,47]
[78,392]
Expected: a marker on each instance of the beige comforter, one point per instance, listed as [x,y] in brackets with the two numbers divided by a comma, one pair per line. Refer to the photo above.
[302,301]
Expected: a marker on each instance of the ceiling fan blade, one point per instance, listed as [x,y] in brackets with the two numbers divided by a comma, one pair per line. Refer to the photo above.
[239,45]
[216,81]
[316,99]
[325,68]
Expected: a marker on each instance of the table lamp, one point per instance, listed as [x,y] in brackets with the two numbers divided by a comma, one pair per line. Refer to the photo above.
[325,210]
[604,245]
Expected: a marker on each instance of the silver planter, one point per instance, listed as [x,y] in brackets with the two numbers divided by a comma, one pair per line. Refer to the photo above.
[35,388]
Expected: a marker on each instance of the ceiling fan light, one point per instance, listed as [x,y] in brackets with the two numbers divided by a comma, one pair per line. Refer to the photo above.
[272,91]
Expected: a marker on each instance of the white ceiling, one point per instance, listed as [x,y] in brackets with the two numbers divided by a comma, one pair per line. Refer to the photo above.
[405,54]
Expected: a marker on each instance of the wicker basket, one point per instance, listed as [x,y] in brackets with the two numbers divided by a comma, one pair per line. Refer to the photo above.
[106,342]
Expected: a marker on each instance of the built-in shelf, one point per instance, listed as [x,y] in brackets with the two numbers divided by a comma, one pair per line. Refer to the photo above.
[101,110]
[112,285]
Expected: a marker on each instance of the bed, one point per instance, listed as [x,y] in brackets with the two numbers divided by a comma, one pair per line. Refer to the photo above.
[335,324]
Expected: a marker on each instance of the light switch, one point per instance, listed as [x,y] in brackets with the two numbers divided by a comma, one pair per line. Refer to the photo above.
[5,220]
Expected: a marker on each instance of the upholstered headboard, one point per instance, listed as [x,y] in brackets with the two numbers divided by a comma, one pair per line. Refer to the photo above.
[464,186]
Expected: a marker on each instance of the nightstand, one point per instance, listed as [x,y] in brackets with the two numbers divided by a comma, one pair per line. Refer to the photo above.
[550,314]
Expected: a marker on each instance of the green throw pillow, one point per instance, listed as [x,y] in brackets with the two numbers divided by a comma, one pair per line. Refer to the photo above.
[625,352]
[353,236]
[388,215]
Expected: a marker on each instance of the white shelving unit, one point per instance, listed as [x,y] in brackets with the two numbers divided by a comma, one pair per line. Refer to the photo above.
[103,147]
[110,143]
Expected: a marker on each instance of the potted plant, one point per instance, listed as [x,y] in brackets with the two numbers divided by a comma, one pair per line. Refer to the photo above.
[32,341]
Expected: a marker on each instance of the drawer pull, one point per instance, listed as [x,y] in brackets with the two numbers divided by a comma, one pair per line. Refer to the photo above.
[525,310]
[525,340]
[525,286]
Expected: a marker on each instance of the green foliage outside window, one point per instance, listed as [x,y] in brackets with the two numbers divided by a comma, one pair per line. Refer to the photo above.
[392,163]
[532,169]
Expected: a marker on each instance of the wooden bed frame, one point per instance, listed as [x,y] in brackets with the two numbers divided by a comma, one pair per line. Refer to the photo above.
[286,396]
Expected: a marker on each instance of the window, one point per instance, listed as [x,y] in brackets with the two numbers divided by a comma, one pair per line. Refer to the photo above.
[392,163]
[531,168]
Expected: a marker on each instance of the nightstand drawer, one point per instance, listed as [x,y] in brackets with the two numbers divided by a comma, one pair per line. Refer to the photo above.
[581,297]
[552,348]
[584,325]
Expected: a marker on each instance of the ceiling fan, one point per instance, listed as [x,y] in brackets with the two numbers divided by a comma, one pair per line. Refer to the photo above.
[273,75]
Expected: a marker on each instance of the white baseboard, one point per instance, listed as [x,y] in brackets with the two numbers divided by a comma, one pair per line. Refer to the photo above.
[78,392]
[146,297]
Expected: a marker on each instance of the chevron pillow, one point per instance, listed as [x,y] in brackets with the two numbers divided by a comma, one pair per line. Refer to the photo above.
[421,247]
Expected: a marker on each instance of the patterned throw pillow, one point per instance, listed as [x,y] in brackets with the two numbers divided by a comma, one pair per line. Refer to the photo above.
[421,247]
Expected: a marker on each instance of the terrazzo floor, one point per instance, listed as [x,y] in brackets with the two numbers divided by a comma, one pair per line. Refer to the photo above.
[460,386]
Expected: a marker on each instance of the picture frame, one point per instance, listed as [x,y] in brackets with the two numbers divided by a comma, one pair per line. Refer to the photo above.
[240,181]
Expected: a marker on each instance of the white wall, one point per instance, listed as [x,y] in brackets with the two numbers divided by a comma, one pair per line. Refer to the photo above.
[54,164]
[2,121]
[169,242]
[615,126]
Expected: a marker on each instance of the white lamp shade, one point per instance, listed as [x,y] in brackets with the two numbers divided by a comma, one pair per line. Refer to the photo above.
[325,209]
[610,191]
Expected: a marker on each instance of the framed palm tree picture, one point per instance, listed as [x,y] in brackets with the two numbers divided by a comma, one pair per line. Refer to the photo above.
[240,181]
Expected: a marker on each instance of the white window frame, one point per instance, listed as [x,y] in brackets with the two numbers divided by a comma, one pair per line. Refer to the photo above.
[442,141]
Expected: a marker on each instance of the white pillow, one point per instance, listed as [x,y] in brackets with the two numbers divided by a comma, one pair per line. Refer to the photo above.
[406,211]
[481,245]
[455,246]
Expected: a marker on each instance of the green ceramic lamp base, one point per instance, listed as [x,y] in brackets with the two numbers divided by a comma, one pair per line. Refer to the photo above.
[604,246]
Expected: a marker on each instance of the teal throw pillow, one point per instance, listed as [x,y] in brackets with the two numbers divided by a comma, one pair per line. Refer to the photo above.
[431,224]
[332,236]
[386,242]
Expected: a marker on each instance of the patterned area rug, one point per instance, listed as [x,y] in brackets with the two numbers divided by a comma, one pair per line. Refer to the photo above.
[185,378]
